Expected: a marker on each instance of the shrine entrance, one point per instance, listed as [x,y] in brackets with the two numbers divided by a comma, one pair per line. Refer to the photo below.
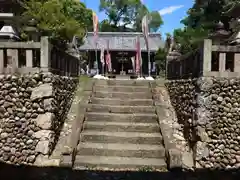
[122,48]
[123,64]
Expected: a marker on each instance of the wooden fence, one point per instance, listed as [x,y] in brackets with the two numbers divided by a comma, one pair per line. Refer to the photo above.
[209,60]
[32,57]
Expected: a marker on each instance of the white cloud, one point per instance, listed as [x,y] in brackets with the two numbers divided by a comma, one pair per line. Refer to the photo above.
[170,9]
[121,23]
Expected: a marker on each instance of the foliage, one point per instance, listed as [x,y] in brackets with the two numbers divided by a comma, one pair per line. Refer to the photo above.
[59,19]
[156,21]
[160,59]
[201,21]
[105,26]
[126,15]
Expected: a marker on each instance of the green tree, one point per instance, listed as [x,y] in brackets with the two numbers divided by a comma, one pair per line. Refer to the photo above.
[160,59]
[78,11]
[201,21]
[156,21]
[128,13]
[58,19]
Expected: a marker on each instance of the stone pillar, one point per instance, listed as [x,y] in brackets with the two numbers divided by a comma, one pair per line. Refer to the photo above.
[1,61]
[222,62]
[45,54]
[207,56]
[29,58]
[237,62]
[12,61]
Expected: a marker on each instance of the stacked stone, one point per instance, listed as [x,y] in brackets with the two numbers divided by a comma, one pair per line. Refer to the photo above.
[183,98]
[222,99]
[63,93]
[216,123]
[28,115]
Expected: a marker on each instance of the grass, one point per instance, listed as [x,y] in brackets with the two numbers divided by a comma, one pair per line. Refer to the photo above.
[83,80]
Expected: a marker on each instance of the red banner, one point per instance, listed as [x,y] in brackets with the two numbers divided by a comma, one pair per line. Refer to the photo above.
[95,24]
[108,58]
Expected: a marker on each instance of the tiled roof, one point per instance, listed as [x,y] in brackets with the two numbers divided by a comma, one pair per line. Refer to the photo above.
[125,41]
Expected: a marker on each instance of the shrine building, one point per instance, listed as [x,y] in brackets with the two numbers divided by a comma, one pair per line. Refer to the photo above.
[122,47]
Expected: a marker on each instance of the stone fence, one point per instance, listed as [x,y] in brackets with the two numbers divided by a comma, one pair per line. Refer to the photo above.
[209,60]
[204,91]
[35,57]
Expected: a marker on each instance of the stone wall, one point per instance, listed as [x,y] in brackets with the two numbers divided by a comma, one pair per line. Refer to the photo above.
[32,110]
[183,98]
[209,109]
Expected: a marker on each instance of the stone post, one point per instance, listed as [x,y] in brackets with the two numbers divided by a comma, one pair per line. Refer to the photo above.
[29,58]
[237,62]
[12,63]
[45,54]
[222,62]
[1,61]
[207,56]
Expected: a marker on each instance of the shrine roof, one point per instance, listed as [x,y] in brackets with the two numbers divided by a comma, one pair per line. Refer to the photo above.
[122,41]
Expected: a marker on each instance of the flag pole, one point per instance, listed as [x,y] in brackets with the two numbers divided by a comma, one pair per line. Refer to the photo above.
[96,59]
[149,63]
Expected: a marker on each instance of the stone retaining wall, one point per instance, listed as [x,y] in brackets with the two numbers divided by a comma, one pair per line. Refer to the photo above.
[209,109]
[32,110]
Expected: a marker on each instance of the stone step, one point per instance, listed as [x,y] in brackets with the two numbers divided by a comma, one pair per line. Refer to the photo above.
[143,83]
[120,102]
[114,162]
[123,95]
[120,137]
[131,118]
[66,161]
[121,126]
[120,109]
[126,150]
[110,88]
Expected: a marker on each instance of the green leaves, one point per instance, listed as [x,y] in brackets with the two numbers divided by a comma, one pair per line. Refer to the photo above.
[125,13]
[156,21]
[59,19]
[201,21]
[160,59]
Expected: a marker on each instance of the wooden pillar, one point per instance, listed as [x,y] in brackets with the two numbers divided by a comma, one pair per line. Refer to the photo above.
[180,68]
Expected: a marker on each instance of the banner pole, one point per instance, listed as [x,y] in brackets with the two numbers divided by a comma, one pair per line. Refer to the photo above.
[149,63]
[96,59]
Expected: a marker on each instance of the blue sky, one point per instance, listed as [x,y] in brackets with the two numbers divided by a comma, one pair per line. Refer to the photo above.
[172,11]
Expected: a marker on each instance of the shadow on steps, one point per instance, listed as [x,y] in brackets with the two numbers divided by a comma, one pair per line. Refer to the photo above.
[11,172]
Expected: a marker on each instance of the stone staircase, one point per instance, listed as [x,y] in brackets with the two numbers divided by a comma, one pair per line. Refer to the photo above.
[120,129]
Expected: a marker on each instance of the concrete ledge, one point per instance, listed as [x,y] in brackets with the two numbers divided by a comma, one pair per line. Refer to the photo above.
[70,149]
[163,108]
[173,155]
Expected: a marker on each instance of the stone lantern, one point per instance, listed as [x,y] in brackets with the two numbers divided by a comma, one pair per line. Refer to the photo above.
[220,35]
[8,30]
[32,31]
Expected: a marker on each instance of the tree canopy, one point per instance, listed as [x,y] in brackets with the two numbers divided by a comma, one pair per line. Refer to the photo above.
[59,19]
[201,20]
[126,15]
